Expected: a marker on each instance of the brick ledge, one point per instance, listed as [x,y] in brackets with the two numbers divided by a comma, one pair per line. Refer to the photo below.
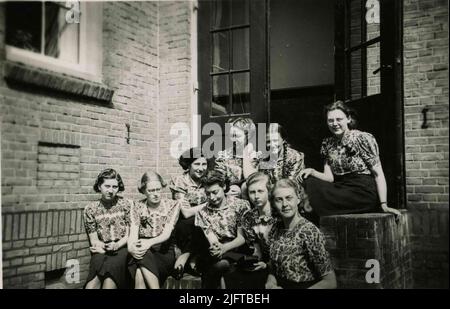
[24,74]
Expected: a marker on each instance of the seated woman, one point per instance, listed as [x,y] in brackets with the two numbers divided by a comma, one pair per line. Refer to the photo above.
[284,161]
[107,224]
[188,186]
[151,243]
[256,224]
[297,247]
[236,161]
[353,180]
[218,240]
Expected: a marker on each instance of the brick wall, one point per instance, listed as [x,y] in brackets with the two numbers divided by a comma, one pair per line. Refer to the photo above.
[46,137]
[353,240]
[426,86]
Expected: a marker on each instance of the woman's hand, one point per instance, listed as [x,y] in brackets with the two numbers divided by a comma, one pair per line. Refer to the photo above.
[259,265]
[271,283]
[306,173]
[111,247]
[137,250]
[217,249]
[393,211]
[97,247]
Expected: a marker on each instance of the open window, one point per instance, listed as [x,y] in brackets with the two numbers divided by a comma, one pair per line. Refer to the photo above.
[368,77]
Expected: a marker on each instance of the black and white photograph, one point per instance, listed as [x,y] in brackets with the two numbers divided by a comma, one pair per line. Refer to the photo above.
[224,144]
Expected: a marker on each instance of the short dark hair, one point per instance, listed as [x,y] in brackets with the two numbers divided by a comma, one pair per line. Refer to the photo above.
[189,156]
[216,176]
[108,173]
[279,129]
[348,111]
[150,176]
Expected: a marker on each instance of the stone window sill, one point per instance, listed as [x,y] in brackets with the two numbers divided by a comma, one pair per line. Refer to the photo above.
[28,75]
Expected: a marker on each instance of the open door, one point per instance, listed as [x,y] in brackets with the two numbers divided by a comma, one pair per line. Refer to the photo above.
[368,77]
[232,60]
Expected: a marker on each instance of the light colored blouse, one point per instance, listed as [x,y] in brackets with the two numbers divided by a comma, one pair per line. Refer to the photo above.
[194,193]
[152,221]
[110,223]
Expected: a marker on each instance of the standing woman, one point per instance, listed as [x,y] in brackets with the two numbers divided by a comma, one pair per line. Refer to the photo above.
[353,180]
[107,224]
[297,251]
[188,186]
[151,243]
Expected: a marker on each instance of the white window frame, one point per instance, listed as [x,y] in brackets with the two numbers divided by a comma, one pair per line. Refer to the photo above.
[90,48]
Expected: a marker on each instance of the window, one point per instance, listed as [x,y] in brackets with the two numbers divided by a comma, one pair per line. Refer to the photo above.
[54,36]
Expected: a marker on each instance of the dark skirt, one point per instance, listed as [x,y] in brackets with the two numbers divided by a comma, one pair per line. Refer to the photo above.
[348,194]
[289,284]
[110,265]
[159,260]
[184,229]
[213,268]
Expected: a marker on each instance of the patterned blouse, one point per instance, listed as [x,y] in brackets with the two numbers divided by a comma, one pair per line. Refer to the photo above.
[111,223]
[223,222]
[299,254]
[356,152]
[231,164]
[256,229]
[194,193]
[151,221]
[288,165]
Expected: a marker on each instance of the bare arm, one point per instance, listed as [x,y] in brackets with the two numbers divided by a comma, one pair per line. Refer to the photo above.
[327,282]
[380,180]
[97,246]
[327,174]
[191,211]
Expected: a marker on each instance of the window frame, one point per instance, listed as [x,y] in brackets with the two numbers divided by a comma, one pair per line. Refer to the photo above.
[88,68]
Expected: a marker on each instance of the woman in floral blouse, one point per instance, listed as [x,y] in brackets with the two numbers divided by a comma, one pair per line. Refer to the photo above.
[107,224]
[256,224]
[236,161]
[219,240]
[151,243]
[297,247]
[188,186]
[283,161]
[353,180]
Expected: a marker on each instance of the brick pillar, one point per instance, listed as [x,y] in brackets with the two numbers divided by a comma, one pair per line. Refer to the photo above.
[352,240]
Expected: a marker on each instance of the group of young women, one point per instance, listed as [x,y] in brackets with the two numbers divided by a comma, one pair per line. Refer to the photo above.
[241,223]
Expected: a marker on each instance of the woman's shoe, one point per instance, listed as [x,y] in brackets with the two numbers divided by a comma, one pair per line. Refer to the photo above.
[178,272]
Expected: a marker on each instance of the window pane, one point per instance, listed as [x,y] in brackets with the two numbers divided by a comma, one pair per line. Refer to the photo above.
[61,37]
[373,65]
[356,19]
[356,75]
[241,93]
[240,12]
[241,48]
[221,14]
[221,93]
[24,24]
[221,42]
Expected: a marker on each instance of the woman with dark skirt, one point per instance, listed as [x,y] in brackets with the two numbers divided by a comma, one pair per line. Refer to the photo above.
[298,257]
[151,243]
[188,186]
[107,224]
[353,180]
[219,241]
